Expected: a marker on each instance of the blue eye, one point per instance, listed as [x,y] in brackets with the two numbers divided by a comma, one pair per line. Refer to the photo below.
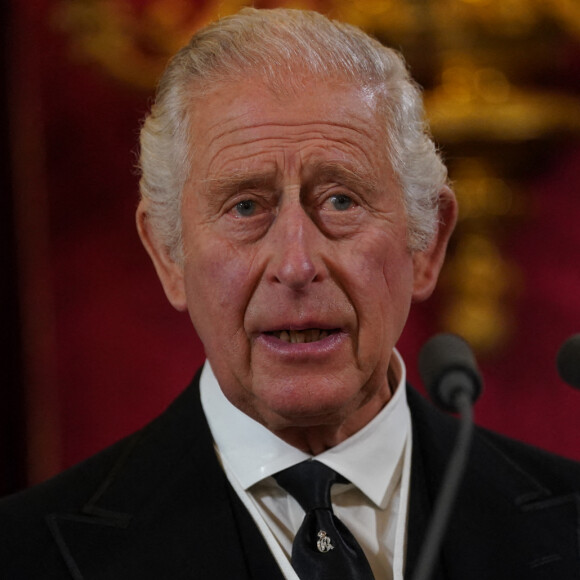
[341,202]
[245,208]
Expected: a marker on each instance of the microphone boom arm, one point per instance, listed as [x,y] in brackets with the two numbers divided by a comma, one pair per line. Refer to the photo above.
[449,371]
[448,490]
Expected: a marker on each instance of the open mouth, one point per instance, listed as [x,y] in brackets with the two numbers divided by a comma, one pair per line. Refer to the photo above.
[302,336]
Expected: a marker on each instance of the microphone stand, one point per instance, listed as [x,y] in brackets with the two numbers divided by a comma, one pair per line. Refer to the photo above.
[449,371]
[448,490]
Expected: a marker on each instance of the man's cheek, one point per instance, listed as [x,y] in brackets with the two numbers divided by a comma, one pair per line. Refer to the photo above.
[225,274]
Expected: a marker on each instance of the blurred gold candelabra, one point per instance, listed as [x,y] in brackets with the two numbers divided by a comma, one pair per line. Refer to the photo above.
[484,65]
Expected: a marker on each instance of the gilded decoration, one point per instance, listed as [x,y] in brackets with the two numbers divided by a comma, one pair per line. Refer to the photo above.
[485,66]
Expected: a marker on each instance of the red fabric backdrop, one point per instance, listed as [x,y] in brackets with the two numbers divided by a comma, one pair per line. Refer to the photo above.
[122,353]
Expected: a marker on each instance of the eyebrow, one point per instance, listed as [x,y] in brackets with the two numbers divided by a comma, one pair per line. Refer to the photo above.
[325,171]
[219,189]
[240,180]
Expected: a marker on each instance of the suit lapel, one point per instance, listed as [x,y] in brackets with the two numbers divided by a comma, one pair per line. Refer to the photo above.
[420,508]
[256,553]
[164,511]
[505,524]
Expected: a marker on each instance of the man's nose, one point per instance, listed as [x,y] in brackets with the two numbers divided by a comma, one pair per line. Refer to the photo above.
[296,242]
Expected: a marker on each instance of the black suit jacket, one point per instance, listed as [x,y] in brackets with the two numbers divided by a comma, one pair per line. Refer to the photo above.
[157,506]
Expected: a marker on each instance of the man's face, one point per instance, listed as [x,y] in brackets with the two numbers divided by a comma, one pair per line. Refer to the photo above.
[296,274]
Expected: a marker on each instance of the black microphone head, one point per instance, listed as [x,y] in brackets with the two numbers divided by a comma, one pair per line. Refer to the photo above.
[568,361]
[442,355]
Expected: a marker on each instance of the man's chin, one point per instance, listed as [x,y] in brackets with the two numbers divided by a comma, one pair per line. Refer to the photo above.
[304,403]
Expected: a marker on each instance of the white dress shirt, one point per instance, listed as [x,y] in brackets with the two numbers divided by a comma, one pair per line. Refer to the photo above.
[376,460]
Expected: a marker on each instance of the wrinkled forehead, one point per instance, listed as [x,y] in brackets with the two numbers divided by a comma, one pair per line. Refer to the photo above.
[247,133]
[241,123]
[287,88]
[304,101]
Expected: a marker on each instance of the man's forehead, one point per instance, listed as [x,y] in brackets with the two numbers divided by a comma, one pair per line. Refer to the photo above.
[244,134]
[246,108]
[285,85]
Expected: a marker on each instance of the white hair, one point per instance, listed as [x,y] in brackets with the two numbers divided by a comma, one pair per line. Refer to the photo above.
[274,44]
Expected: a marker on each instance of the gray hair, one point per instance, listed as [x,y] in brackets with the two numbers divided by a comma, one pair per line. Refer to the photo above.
[274,44]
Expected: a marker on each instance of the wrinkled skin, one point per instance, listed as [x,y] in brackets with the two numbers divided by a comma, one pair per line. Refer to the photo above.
[297,275]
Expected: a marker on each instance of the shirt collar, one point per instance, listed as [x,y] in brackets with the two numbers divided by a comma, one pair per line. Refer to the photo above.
[370,458]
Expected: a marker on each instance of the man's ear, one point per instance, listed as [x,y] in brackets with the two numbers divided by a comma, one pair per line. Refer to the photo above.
[170,273]
[428,263]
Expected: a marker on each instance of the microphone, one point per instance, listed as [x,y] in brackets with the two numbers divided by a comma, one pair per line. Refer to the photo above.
[450,374]
[448,369]
[568,361]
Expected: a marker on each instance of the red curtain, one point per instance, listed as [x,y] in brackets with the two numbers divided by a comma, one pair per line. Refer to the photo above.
[105,352]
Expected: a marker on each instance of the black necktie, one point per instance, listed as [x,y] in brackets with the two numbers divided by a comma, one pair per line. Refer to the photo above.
[324,548]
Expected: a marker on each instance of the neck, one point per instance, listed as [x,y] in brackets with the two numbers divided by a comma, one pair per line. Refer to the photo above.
[316,438]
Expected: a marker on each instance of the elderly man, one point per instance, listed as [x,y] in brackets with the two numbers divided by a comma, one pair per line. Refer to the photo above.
[294,205]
